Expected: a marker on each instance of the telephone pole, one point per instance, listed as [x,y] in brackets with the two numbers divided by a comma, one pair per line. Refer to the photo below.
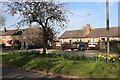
[107,28]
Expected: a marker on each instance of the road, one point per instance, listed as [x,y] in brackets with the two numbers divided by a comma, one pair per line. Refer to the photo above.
[68,52]
[10,72]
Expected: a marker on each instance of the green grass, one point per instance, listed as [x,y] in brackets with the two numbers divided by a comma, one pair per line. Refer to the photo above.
[4,53]
[65,64]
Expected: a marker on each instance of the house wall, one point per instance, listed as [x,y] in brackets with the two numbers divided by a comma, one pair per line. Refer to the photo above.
[86,39]
[97,40]
[5,40]
[75,39]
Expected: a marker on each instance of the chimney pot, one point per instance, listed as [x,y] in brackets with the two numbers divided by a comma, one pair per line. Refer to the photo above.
[5,30]
[88,29]
[30,26]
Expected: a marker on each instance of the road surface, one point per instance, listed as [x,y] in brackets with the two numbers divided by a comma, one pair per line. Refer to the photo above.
[10,72]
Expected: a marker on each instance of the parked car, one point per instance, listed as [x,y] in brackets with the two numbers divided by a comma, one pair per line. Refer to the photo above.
[92,45]
[79,45]
[66,46]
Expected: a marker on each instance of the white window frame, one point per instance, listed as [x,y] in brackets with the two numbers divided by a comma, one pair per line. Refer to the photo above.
[92,40]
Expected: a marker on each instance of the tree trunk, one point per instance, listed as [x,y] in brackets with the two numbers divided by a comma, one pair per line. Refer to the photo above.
[44,47]
[44,40]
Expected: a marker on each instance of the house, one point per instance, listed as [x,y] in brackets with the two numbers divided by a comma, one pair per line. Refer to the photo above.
[20,38]
[90,35]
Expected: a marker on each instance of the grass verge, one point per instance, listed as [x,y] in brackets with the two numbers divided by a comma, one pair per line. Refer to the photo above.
[65,64]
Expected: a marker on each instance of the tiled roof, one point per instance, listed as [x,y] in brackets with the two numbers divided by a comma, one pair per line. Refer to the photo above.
[25,31]
[73,34]
[101,32]
[97,32]
[12,32]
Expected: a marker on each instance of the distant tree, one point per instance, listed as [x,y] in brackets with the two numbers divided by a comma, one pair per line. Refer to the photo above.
[34,35]
[2,18]
[47,14]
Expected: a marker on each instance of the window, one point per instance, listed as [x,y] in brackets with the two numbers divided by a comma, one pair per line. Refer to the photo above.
[91,39]
[103,39]
[16,37]
[79,40]
[70,41]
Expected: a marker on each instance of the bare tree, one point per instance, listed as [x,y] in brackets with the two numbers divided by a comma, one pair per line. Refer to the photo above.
[47,14]
[2,18]
[34,35]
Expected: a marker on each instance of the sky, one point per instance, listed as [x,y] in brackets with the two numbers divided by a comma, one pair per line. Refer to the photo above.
[79,17]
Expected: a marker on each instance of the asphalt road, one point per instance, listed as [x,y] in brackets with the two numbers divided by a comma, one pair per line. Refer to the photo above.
[9,72]
[12,72]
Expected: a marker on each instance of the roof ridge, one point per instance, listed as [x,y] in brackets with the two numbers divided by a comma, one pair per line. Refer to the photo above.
[75,30]
[14,29]
[105,27]
[91,29]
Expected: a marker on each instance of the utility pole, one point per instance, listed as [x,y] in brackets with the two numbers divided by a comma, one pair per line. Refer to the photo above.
[107,28]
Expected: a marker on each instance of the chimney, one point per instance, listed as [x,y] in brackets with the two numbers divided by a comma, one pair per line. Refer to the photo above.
[30,26]
[5,30]
[88,29]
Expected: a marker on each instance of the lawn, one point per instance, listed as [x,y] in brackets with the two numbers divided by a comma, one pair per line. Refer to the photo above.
[4,53]
[64,64]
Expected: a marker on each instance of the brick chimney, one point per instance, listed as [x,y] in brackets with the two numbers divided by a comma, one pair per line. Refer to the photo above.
[5,30]
[30,26]
[88,29]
